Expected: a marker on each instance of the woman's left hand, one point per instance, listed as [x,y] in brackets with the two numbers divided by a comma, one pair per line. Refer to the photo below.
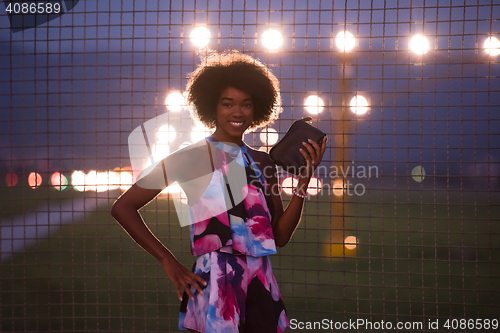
[313,154]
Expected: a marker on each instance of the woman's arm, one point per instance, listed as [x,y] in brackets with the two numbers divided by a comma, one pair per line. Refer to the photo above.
[126,211]
[285,222]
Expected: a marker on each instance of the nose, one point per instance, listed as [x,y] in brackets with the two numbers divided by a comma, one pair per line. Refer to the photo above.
[237,111]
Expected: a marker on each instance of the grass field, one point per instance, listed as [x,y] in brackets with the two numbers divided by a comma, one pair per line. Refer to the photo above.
[421,255]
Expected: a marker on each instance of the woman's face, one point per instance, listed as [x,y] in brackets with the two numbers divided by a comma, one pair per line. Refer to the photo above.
[234,115]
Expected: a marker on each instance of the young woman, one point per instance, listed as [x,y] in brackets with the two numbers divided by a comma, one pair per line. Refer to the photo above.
[233,229]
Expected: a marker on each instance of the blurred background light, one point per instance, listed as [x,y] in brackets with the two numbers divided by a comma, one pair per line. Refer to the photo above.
[359,105]
[269,136]
[419,44]
[200,36]
[160,150]
[350,242]
[338,187]
[418,173]
[11,179]
[492,46]
[59,181]
[199,132]
[175,101]
[314,187]
[34,179]
[78,181]
[288,184]
[314,104]
[166,134]
[272,39]
[345,41]
[126,180]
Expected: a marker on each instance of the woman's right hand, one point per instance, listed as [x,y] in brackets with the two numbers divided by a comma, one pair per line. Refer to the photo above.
[181,277]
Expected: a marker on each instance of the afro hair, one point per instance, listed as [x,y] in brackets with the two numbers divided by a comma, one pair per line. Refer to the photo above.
[240,71]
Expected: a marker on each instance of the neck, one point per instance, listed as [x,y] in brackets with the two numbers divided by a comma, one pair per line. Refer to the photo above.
[236,140]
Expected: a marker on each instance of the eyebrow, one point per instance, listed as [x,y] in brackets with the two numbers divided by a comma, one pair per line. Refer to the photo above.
[231,99]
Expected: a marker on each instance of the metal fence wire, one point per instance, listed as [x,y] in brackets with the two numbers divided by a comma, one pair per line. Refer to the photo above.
[401,229]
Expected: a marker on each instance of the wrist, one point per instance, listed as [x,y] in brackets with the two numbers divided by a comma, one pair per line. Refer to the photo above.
[301,194]
[166,257]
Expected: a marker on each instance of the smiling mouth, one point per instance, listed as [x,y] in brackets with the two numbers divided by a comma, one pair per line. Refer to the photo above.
[237,123]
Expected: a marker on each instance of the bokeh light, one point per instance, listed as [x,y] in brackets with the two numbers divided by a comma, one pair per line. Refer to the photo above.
[359,105]
[175,101]
[418,173]
[126,180]
[350,242]
[166,134]
[91,181]
[269,136]
[200,36]
[160,150]
[314,104]
[314,187]
[78,181]
[338,187]
[11,179]
[199,132]
[288,184]
[59,181]
[272,39]
[492,46]
[345,41]
[419,44]
[34,180]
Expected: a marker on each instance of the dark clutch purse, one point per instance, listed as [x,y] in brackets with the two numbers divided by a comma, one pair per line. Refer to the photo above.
[286,152]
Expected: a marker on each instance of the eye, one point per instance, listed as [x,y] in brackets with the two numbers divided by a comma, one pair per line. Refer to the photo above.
[226,105]
[247,105]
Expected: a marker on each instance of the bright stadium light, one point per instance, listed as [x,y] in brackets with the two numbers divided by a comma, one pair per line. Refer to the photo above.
[269,136]
[419,44]
[418,173]
[11,179]
[34,180]
[160,150]
[359,105]
[338,187]
[345,41]
[126,180]
[175,101]
[200,36]
[492,46]
[314,104]
[59,181]
[166,134]
[288,184]
[350,242]
[78,181]
[272,39]
[314,186]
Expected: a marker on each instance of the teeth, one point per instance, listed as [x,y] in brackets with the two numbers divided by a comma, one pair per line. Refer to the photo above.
[236,123]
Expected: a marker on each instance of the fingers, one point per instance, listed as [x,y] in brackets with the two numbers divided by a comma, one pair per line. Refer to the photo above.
[311,149]
[183,279]
[195,281]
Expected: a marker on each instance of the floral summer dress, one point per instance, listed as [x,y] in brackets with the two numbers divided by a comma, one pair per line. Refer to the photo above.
[232,249]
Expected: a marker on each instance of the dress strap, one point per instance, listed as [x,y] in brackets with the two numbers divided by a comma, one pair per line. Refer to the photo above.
[211,158]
